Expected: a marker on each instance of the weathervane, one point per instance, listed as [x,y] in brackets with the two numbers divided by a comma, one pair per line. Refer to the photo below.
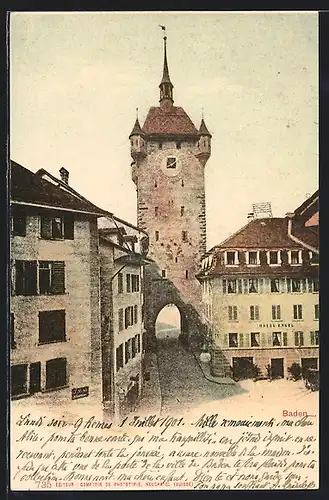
[163,29]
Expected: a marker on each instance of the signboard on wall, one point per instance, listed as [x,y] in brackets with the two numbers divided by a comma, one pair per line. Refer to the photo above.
[80,392]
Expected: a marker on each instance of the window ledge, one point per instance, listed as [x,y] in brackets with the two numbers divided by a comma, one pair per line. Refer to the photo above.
[43,391]
[52,342]
[294,265]
[232,265]
[274,265]
[253,265]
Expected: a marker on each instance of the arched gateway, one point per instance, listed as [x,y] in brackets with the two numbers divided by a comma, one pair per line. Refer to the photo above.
[170,155]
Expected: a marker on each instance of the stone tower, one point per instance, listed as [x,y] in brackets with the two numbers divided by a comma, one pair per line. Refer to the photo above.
[169,156]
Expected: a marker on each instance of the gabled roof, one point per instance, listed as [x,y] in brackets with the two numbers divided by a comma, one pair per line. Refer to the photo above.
[171,120]
[29,188]
[260,233]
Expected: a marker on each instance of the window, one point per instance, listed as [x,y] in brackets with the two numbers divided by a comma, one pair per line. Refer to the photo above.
[56,375]
[295,257]
[18,380]
[295,285]
[133,346]
[315,338]
[128,283]
[52,326]
[120,319]
[120,283]
[254,313]
[253,285]
[18,219]
[160,145]
[316,311]
[156,211]
[156,235]
[135,314]
[127,351]
[178,145]
[163,273]
[232,313]
[275,285]
[186,274]
[231,286]
[315,285]
[58,228]
[171,162]
[119,357]
[299,339]
[277,339]
[26,277]
[231,258]
[138,342]
[134,283]
[182,209]
[276,312]
[184,235]
[51,278]
[314,258]
[298,311]
[129,316]
[233,340]
[253,258]
[274,258]
[255,339]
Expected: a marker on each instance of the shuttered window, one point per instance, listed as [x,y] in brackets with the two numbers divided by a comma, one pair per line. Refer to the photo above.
[26,277]
[128,283]
[52,326]
[120,283]
[314,338]
[51,277]
[57,227]
[299,339]
[18,222]
[120,317]
[56,373]
[135,314]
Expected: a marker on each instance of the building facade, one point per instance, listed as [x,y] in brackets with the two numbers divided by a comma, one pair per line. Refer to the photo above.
[261,297]
[123,250]
[170,155]
[55,303]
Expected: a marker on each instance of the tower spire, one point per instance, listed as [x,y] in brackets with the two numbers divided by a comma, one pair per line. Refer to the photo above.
[166,87]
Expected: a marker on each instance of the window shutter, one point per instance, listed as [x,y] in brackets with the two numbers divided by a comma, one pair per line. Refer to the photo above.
[263,342]
[245,286]
[273,312]
[241,335]
[269,339]
[301,338]
[285,339]
[296,338]
[278,312]
[30,277]
[261,285]
[230,313]
[239,286]
[288,285]
[131,315]
[45,227]
[312,338]
[304,285]
[283,285]
[257,312]
[19,277]
[126,317]
[224,286]
[235,312]
[68,227]
[246,339]
[58,277]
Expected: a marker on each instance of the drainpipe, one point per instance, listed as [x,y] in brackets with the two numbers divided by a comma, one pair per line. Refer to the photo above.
[297,240]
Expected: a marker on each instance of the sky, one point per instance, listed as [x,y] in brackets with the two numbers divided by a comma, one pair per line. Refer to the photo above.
[76,79]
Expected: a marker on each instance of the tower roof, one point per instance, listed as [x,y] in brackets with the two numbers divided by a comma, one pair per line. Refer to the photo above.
[165,74]
[171,120]
[137,130]
[203,129]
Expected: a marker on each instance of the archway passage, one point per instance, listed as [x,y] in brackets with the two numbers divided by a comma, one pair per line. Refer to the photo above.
[168,323]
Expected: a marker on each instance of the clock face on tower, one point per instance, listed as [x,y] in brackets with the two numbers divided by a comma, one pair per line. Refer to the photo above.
[171,165]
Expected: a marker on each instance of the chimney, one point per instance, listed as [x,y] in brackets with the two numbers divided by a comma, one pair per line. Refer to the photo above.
[64,175]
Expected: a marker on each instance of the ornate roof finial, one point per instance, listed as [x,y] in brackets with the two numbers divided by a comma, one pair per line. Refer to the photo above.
[136,113]
[202,114]
[166,92]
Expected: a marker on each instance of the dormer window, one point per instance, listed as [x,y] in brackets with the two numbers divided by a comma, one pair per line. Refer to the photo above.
[274,257]
[314,258]
[295,257]
[231,258]
[252,258]
[171,162]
